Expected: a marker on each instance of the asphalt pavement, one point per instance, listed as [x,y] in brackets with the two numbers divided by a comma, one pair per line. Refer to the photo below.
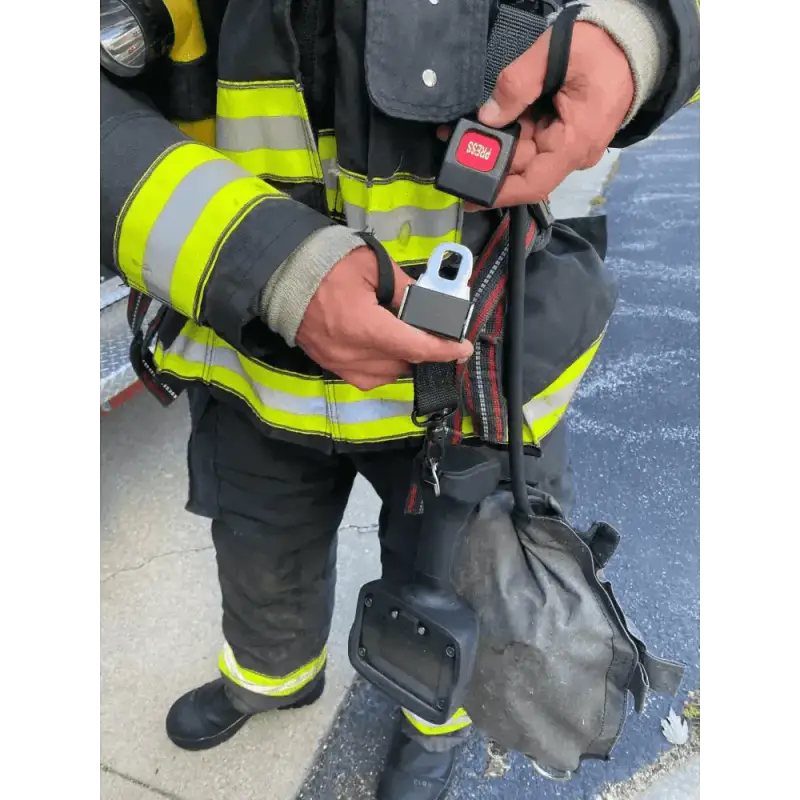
[635,447]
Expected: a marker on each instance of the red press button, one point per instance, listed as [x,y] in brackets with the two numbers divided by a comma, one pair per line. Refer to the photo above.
[477,151]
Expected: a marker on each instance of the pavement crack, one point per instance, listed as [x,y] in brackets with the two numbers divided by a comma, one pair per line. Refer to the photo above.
[137,782]
[154,558]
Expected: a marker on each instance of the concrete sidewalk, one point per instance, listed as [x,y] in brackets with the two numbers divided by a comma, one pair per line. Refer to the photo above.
[160,619]
[160,625]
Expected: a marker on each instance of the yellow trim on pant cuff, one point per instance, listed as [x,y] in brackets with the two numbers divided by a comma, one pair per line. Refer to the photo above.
[268,685]
[457,722]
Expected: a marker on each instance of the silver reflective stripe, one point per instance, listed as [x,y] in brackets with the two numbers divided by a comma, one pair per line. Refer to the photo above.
[540,407]
[297,681]
[198,353]
[177,218]
[330,170]
[257,133]
[356,411]
[387,225]
[344,413]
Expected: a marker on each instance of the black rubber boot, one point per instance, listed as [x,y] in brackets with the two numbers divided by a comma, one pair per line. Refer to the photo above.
[205,717]
[414,773]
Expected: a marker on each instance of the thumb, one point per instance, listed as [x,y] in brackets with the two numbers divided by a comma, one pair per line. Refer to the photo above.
[518,85]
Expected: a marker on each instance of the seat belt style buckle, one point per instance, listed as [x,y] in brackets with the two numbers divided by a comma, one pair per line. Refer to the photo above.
[439,302]
[477,160]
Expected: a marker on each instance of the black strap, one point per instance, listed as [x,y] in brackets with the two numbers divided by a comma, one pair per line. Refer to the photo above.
[165,325]
[436,390]
[385,290]
[436,386]
[558,54]
[514,29]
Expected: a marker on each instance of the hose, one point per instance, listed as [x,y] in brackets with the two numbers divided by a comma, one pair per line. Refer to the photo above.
[515,319]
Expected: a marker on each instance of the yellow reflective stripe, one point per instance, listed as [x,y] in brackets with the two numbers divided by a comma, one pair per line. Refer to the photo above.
[260,99]
[307,404]
[408,250]
[401,392]
[544,411]
[458,721]
[327,155]
[410,217]
[190,41]
[468,430]
[281,380]
[289,402]
[387,194]
[267,684]
[171,228]
[263,126]
[277,165]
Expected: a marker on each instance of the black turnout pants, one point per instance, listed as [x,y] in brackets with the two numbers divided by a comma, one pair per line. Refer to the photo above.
[275,509]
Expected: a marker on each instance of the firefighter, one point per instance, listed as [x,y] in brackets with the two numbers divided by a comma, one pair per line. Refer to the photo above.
[246,148]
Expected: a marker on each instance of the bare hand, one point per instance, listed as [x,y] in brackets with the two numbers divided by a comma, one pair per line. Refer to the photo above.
[345,330]
[592,104]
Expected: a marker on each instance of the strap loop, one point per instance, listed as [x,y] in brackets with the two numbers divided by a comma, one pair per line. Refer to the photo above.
[385,290]
[165,388]
[558,53]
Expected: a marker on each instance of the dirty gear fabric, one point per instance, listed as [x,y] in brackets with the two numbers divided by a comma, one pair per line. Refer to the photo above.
[275,510]
[557,658]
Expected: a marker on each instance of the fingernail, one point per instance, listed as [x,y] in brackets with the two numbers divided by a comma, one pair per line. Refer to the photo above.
[463,360]
[489,112]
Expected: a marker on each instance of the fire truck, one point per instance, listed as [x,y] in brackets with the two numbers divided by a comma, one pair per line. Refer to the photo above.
[118,381]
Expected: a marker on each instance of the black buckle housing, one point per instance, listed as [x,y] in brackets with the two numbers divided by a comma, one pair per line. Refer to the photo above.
[415,644]
[477,160]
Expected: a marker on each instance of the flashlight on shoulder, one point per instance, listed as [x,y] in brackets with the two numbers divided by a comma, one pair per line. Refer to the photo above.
[133,34]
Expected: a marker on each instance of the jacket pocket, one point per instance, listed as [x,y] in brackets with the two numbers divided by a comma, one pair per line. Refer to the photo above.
[426,61]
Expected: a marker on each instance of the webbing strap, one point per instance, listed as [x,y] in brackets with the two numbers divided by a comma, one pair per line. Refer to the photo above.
[515,29]
[437,387]
[165,388]
[385,290]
